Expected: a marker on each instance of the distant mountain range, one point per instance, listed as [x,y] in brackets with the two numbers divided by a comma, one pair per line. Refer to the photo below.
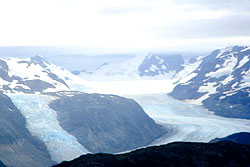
[152,65]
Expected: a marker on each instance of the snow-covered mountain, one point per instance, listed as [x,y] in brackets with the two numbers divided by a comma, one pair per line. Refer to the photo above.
[35,75]
[157,64]
[220,81]
[149,66]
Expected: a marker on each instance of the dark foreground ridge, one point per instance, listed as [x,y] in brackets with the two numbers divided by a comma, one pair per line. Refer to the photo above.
[182,154]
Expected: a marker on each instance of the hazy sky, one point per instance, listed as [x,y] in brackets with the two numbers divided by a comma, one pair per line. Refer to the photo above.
[126,24]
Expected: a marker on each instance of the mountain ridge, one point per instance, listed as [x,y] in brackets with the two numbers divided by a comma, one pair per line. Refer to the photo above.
[220,82]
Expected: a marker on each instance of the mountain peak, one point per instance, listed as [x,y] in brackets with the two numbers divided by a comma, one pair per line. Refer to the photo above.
[235,48]
[158,64]
[39,59]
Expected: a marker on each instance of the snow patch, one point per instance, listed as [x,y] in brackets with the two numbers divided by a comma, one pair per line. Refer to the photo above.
[227,80]
[243,61]
[243,50]
[228,67]
[187,78]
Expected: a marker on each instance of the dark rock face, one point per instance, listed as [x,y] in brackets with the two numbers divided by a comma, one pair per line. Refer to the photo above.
[106,123]
[1,164]
[179,154]
[226,73]
[156,64]
[17,146]
[241,138]
[37,85]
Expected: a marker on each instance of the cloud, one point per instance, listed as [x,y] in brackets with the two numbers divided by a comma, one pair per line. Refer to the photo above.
[234,5]
[227,26]
[125,10]
[119,24]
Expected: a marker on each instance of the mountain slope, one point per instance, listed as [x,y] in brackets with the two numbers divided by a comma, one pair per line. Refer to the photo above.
[177,154]
[17,146]
[106,123]
[221,83]
[241,138]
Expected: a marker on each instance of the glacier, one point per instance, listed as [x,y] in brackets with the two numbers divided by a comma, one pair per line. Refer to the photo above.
[187,122]
[184,120]
[42,122]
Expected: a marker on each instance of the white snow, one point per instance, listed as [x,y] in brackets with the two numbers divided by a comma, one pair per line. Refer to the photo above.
[163,67]
[235,84]
[187,78]
[227,68]
[243,61]
[245,80]
[132,87]
[217,66]
[153,67]
[42,122]
[227,80]
[186,74]
[220,53]
[209,87]
[160,60]
[243,50]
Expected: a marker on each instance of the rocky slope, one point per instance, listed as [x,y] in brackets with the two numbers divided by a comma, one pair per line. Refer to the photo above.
[1,164]
[106,123]
[177,154]
[241,138]
[220,82]
[17,146]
